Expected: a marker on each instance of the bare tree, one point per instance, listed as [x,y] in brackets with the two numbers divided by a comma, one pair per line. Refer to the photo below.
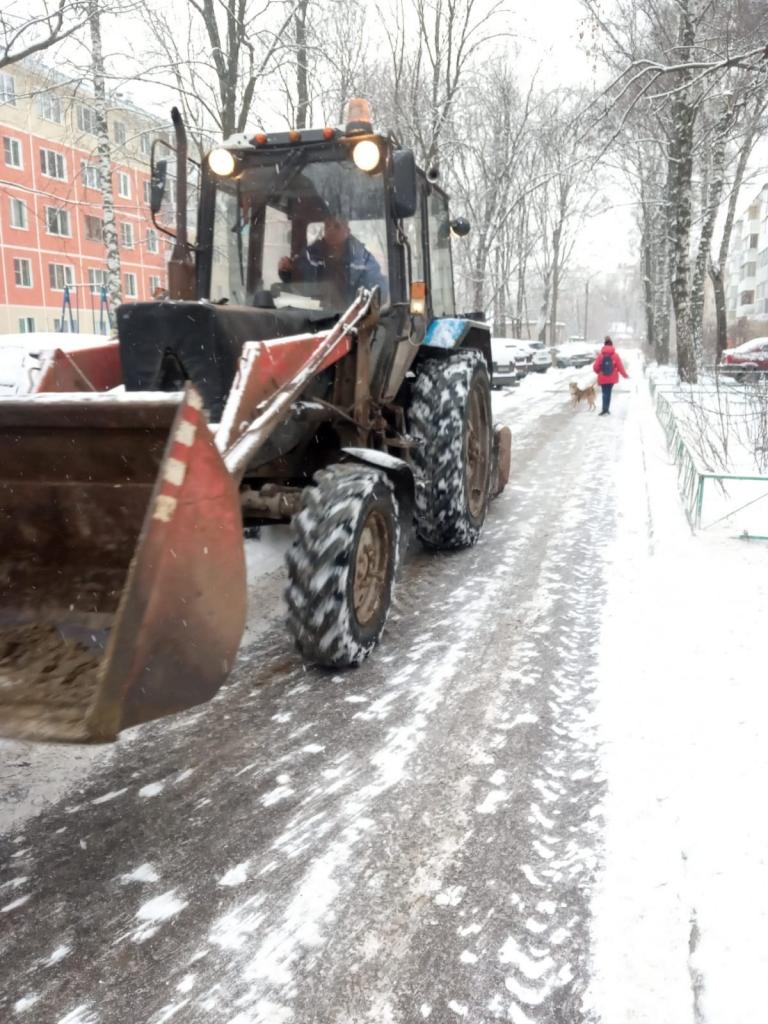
[27,29]
[302,62]
[681,68]
[228,49]
[566,197]
[424,71]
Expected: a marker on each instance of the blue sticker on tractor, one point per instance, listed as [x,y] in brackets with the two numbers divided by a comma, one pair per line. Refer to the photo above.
[446,333]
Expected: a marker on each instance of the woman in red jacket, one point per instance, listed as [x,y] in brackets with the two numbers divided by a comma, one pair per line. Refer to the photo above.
[608,366]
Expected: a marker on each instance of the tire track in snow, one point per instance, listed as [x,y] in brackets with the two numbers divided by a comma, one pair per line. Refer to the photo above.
[354,800]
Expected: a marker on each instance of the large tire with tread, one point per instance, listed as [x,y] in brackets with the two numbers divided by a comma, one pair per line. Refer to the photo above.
[450,418]
[341,565]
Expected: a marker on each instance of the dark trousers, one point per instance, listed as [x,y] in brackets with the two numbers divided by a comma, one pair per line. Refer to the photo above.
[607,389]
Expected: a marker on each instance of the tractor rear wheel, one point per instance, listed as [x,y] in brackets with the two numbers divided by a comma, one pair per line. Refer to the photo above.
[341,565]
[450,417]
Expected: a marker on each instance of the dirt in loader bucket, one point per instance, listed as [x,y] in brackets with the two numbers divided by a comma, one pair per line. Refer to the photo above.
[122,573]
[47,681]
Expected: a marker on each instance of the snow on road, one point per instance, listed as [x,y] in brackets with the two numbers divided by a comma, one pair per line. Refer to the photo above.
[538,802]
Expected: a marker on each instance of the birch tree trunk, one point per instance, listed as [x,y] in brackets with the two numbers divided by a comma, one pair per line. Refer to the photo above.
[104,149]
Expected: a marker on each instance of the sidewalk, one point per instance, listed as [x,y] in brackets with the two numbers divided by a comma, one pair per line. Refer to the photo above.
[681,910]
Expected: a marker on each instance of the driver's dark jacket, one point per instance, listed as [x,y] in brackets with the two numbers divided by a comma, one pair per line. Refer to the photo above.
[356,269]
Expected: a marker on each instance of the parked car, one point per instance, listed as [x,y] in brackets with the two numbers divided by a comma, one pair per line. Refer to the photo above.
[504,366]
[28,362]
[573,353]
[751,357]
[540,360]
[519,351]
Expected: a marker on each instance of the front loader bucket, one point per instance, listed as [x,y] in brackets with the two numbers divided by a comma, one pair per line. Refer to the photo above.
[122,576]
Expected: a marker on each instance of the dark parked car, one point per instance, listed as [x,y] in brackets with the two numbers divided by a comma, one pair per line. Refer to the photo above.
[751,357]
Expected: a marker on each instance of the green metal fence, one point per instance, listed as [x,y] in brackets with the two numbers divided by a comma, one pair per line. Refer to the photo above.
[691,476]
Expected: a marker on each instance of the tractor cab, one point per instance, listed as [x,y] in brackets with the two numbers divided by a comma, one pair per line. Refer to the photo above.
[290,226]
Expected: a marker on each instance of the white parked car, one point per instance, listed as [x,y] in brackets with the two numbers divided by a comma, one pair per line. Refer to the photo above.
[574,353]
[504,366]
[522,355]
[540,360]
[26,358]
[534,356]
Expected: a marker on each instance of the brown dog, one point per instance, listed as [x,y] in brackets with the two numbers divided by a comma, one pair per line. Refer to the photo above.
[588,395]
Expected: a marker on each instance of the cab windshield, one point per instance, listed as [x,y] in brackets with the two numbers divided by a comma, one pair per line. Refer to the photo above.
[299,233]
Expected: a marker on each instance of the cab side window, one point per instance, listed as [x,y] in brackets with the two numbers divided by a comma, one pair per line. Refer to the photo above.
[441,268]
[414,231]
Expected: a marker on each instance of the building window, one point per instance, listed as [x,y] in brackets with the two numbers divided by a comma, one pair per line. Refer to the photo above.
[86,119]
[52,164]
[152,243]
[59,275]
[748,270]
[50,107]
[12,152]
[129,284]
[154,284]
[94,229]
[147,192]
[118,129]
[753,241]
[22,273]
[145,144]
[126,236]
[123,185]
[746,298]
[90,175]
[26,324]
[57,221]
[7,90]
[18,213]
[97,279]
[65,326]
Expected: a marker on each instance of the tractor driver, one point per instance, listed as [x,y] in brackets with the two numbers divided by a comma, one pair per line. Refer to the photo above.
[337,258]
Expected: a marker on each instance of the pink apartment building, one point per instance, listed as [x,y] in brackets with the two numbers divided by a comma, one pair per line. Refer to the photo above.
[50,204]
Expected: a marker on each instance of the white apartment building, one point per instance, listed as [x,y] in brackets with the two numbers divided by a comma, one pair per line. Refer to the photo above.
[746,286]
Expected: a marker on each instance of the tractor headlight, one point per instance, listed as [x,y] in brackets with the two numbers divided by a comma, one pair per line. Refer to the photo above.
[221,162]
[366,155]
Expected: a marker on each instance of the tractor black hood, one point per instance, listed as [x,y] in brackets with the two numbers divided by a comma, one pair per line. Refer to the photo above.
[164,344]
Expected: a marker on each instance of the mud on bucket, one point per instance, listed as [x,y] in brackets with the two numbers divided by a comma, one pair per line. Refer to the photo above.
[122,576]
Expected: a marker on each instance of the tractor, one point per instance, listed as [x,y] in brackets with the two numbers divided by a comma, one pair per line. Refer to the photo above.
[305,365]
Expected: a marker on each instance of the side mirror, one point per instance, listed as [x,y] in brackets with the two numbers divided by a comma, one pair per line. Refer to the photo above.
[405,193]
[157,185]
[460,227]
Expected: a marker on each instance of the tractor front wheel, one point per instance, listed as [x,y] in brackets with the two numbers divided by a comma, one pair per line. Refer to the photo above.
[450,419]
[341,565]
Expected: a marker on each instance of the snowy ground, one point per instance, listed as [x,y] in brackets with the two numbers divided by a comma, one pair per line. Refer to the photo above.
[725,426]
[682,910]
[537,802]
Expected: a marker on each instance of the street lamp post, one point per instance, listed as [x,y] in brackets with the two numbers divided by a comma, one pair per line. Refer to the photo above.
[586,310]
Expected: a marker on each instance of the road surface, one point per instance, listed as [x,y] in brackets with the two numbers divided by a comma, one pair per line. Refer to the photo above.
[415,840]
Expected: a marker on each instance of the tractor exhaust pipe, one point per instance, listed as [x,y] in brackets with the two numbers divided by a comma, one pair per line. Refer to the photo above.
[181,269]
